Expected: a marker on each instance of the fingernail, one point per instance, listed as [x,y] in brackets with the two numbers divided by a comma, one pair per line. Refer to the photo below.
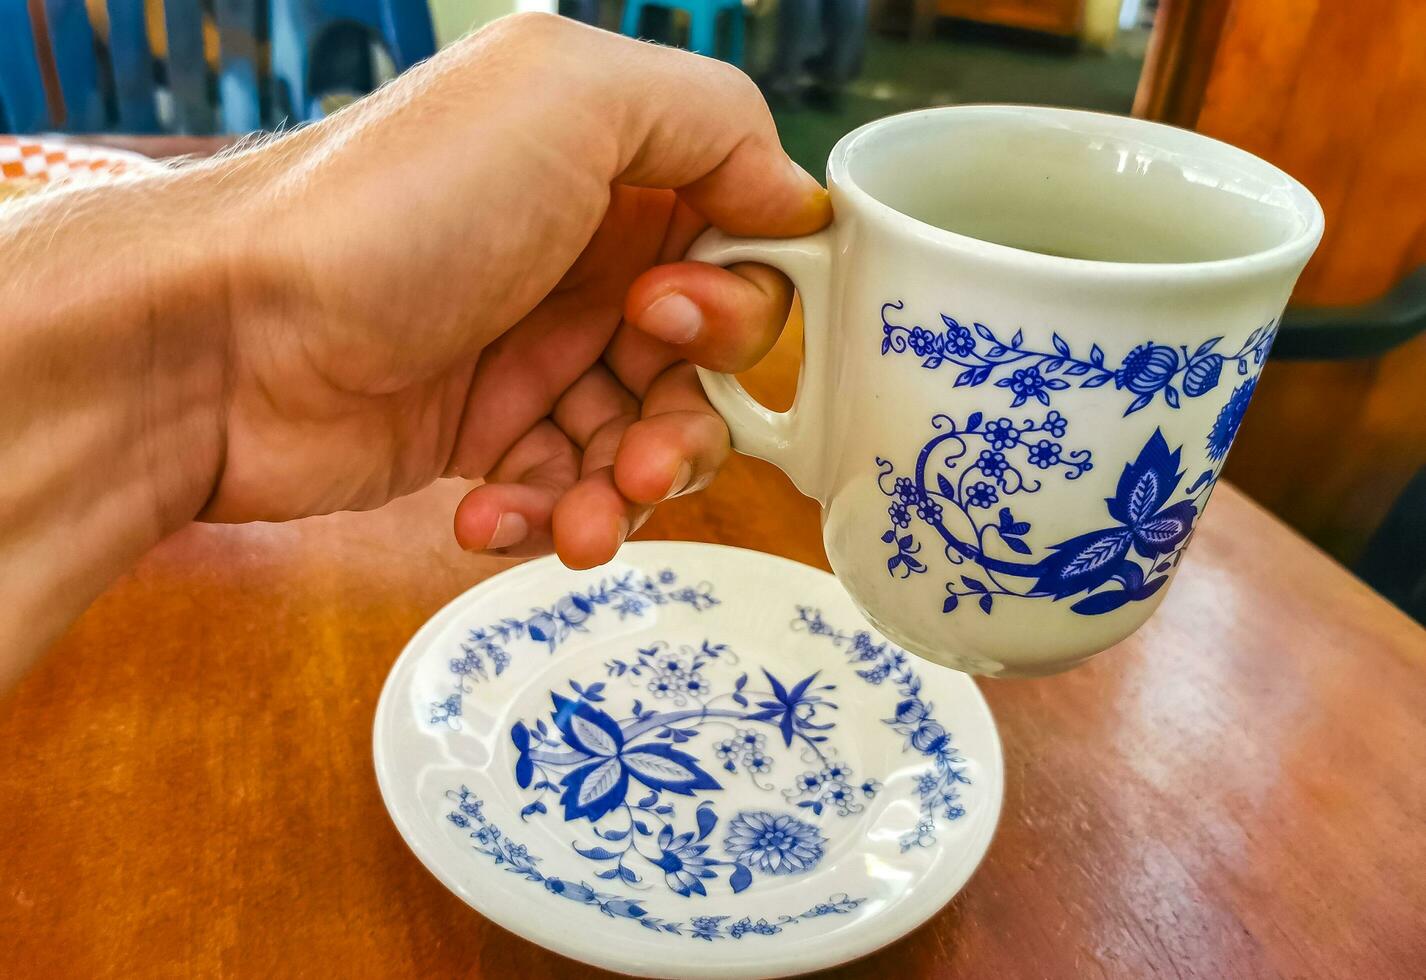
[510,529]
[623,529]
[672,318]
[818,203]
[680,480]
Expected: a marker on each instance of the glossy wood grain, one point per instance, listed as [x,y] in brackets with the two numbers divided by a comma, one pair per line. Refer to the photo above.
[187,781]
[1335,94]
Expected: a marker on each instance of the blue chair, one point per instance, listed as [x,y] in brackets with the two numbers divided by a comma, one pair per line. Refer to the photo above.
[72,41]
[131,56]
[22,89]
[188,67]
[322,46]
[239,99]
[703,24]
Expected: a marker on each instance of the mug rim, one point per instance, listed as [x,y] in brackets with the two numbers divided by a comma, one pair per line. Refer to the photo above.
[1211,153]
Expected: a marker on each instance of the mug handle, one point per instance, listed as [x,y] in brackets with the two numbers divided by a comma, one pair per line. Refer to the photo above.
[785,439]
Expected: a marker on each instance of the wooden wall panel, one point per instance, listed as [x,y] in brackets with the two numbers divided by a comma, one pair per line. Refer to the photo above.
[1334,93]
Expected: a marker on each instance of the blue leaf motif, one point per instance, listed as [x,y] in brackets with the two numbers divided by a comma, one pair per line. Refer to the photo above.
[597,853]
[1102,602]
[707,819]
[1136,404]
[1207,346]
[740,879]
[593,790]
[1082,563]
[524,768]
[1147,483]
[660,766]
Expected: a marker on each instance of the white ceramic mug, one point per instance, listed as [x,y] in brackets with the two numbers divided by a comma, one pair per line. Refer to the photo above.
[1030,338]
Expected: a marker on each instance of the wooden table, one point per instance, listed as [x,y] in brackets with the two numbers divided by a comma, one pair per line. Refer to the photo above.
[1238,790]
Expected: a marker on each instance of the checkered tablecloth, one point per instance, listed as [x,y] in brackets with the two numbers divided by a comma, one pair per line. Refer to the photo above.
[39,160]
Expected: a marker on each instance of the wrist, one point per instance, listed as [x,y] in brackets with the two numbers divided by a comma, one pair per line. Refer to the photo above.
[112,366]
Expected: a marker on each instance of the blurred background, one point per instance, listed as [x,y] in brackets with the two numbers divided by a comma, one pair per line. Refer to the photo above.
[1334,93]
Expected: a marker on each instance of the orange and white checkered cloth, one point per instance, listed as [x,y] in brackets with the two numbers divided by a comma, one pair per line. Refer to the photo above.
[34,160]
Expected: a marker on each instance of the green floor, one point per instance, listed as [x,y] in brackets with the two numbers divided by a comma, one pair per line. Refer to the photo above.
[953,68]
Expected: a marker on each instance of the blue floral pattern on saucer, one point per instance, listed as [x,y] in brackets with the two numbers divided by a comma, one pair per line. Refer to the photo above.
[636,784]
[752,770]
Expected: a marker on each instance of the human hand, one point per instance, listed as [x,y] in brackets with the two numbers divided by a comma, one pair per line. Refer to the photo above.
[442,286]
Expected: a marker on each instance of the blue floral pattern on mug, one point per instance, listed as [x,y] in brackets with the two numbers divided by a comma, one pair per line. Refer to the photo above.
[1148,371]
[967,476]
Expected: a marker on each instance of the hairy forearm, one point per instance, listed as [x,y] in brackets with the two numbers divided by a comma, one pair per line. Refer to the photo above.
[112,326]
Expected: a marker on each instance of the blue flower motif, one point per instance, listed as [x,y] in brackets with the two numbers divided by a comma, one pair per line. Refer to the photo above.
[706,926]
[1026,383]
[911,711]
[899,515]
[836,771]
[809,781]
[870,787]
[958,340]
[1202,375]
[921,341]
[664,685]
[1230,417]
[775,844]
[1147,369]
[1055,424]
[1045,454]
[683,862]
[981,495]
[601,783]
[926,783]
[727,749]
[840,795]
[1001,434]
[667,577]
[929,511]
[696,685]
[992,463]
[930,738]
[907,491]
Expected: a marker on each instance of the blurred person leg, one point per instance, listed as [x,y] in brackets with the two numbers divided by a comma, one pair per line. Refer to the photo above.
[844,27]
[798,24]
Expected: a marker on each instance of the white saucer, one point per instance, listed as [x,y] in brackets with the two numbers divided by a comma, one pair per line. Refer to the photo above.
[657,696]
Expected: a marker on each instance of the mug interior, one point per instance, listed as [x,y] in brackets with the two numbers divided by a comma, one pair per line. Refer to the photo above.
[1077,185]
